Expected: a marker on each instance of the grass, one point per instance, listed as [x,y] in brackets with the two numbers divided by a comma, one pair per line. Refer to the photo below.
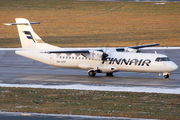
[68,23]
[95,103]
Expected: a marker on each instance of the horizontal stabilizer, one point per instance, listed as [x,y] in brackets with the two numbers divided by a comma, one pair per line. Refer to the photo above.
[21,23]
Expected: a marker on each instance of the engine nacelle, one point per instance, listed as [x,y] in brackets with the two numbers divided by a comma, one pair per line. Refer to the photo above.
[94,55]
[130,50]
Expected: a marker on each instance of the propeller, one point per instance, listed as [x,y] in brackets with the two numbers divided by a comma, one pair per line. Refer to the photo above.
[104,56]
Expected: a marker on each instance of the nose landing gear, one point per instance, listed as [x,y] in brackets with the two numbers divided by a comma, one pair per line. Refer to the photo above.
[166,75]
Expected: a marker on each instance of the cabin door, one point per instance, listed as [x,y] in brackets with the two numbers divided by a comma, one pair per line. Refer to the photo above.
[51,59]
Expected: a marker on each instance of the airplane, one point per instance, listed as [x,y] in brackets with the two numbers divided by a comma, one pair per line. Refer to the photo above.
[94,60]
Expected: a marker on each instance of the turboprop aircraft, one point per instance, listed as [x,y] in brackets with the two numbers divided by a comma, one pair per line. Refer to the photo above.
[94,60]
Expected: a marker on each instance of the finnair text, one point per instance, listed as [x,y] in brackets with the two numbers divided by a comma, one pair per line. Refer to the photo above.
[124,61]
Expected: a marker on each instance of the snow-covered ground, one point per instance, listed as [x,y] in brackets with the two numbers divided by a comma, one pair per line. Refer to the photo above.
[10,49]
[167,90]
[39,116]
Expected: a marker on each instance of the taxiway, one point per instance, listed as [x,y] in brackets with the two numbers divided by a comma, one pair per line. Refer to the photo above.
[15,69]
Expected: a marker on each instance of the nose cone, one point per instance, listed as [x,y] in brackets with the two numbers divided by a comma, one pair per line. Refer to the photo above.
[173,67]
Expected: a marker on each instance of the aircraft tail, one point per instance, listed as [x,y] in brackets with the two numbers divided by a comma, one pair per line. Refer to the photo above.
[29,39]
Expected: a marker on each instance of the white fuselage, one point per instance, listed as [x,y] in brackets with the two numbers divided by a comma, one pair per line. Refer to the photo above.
[117,61]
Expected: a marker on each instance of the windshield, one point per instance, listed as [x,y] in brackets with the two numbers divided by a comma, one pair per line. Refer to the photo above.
[159,59]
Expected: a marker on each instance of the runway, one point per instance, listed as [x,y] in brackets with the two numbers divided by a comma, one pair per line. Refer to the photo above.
[15,69]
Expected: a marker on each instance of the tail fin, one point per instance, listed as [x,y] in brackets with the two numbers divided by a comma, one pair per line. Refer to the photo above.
[29,39]
[27,36]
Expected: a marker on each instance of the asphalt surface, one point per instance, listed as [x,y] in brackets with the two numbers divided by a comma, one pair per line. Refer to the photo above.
[20,70]
[15,69]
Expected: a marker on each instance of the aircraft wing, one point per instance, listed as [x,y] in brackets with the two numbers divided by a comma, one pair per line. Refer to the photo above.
[99,53]
[135,48]
[117,49]
[93,54]
[142,46]
[74,51]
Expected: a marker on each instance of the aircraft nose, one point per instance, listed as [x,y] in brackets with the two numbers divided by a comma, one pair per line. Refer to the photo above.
[173,66]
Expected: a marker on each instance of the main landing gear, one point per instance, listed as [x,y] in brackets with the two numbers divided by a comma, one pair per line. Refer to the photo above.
[91,73]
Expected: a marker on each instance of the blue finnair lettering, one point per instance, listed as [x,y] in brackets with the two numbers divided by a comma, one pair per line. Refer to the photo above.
[124,61]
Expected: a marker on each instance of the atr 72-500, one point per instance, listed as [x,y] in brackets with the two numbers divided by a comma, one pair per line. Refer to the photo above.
[94,60]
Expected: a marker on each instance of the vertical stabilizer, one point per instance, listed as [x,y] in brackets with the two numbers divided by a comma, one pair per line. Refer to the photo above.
[27,36]
[29,39]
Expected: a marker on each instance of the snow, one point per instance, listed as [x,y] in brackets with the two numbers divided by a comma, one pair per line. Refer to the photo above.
[5,49]
[167,90]
[79,117]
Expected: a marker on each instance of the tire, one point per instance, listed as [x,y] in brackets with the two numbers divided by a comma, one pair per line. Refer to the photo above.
[166,76]
[91,73]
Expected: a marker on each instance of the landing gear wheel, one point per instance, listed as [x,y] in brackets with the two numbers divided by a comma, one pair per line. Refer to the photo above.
[109,74]
[91,73]
[166,76]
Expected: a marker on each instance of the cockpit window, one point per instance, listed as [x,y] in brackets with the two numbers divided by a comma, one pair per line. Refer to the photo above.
[159,59]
